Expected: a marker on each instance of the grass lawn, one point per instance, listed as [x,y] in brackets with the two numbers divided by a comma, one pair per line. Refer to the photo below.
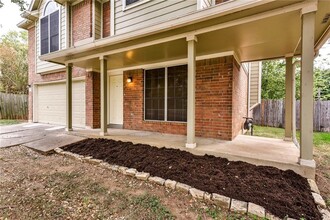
[9,122]
[37,186]
[321,155]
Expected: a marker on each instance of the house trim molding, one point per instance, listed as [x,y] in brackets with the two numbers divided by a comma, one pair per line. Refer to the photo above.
[168,26]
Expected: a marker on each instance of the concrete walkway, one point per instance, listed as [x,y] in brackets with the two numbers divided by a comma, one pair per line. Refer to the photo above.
[256,150]
[42,137]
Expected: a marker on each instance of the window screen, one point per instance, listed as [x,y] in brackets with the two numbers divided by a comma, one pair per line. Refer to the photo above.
[44,35]
[53,32]
[177,93]
[49,31]
[155,94]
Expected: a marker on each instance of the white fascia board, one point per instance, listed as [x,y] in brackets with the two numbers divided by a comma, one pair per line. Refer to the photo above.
[185,20]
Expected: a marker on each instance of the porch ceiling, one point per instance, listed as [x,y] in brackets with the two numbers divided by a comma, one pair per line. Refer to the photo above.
[255,39]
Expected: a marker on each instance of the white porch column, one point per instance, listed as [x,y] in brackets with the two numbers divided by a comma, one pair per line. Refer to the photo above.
[191,143]
[104,95]
[288,98]
[306,89]
[69,97]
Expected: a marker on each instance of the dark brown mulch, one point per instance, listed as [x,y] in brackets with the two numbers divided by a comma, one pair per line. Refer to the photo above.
[283,193]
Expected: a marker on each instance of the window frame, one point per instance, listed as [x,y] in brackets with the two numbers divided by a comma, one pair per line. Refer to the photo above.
[59,26]
[133,5]
[165,96]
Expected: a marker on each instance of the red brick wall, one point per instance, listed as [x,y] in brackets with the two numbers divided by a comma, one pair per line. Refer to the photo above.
[133,108]
[240,79]
[214,84]
[32,66]
[220,1]
[93,100]
[214,98]
[106,19]
[82,21]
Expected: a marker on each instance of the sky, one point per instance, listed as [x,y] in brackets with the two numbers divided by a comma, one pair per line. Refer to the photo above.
[10,17]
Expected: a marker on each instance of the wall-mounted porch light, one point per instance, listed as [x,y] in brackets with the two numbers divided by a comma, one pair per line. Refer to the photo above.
[129,79]
[29,87]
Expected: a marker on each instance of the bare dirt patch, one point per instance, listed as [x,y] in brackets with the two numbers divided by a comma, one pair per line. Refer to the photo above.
[283,193]
[36,186]
[322,158]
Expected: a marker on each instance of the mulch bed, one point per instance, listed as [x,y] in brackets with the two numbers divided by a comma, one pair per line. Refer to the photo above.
[283,193]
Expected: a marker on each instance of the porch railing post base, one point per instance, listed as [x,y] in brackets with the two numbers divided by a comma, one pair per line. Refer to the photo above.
[103,133]
[191,146]
[307,163]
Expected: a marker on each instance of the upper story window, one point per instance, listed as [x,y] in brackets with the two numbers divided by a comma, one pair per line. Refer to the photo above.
[128,2]
[49,28]
[132,3]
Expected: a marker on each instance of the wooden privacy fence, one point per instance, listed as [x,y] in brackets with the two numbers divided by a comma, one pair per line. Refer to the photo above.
[13,106]
[272,113]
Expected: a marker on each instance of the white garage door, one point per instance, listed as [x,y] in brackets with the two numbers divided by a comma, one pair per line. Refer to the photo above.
[51,103]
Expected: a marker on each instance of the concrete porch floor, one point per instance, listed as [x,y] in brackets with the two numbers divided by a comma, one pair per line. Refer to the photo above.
[255,150]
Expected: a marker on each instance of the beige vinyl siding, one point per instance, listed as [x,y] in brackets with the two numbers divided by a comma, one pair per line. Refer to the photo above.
[255,83]
[43,66]
[150,13]
[98,15]
[63,27]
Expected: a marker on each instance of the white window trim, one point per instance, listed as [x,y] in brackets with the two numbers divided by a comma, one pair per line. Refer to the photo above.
[165,97]
[127,7]
[59,27]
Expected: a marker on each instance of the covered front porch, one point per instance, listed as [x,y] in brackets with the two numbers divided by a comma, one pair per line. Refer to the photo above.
[278,29]
[252,149]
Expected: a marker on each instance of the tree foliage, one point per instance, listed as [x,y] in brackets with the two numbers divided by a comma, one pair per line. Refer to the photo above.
[13,62]
[21,3]
[273,79]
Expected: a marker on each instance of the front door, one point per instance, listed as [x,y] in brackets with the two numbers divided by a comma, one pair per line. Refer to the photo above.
[116,100]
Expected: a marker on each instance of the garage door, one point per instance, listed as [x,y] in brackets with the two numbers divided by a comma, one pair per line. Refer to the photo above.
[51,103]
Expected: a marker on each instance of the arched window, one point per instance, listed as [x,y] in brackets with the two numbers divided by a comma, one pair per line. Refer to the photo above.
[49,28]
[49,8]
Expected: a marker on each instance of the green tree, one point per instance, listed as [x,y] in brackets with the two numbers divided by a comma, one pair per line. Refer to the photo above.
[13,62]
[322,78]
[273,79]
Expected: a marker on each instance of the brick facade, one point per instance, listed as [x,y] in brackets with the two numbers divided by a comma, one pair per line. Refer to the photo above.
[82,21]
[219,112]
[31,66]
[220,1]
[106,19]
[93,105]
[214,98]
[240,84]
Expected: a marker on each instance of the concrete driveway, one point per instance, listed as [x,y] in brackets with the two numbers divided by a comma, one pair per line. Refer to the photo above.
[42,137]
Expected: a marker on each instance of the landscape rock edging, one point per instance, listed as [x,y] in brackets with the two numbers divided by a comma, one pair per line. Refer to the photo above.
[223,201]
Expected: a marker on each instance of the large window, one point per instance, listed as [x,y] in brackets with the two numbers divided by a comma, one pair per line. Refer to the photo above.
[49,29]
[166,94]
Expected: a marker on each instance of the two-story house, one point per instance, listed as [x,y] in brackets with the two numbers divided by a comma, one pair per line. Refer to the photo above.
[183,67]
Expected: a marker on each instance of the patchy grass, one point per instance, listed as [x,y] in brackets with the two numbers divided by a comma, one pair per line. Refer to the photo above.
[36,186]
[9,122]
[321,142]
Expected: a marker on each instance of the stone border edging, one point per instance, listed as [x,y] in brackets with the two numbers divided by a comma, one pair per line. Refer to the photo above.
[223,201]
